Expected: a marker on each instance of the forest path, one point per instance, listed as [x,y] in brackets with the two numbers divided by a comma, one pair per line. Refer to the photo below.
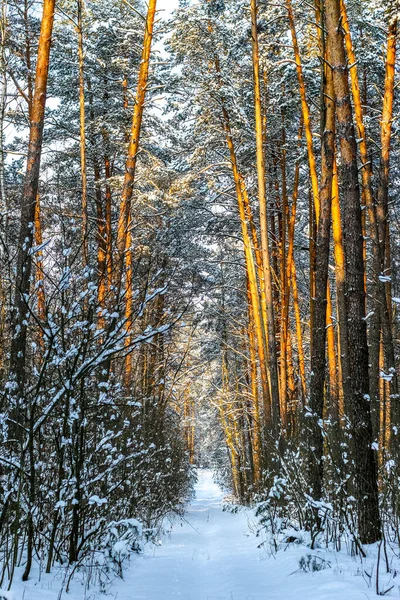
[213,555]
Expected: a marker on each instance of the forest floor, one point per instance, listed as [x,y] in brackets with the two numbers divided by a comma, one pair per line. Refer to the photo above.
[213,554]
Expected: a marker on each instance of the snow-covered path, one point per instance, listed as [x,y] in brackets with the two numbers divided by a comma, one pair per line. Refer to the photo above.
[213,555]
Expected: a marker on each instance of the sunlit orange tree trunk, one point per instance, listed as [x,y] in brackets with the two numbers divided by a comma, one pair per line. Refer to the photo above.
[340,277]
[256,424]
[130,169]
[383,222]
[252,251]
[251,272]
[291,276]
[28,204]
[358,408]
[272,355]
[318,351]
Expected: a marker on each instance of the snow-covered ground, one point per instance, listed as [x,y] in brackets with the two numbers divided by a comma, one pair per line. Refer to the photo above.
[213,554]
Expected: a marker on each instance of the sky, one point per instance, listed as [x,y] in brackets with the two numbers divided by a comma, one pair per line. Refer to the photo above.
[167,5]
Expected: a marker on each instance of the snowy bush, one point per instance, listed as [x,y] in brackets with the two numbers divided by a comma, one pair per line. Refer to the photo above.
[121,540]
[312,562]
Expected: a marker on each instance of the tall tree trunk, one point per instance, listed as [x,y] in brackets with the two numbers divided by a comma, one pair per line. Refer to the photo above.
[318,351]
[314,197]
[251,272]
[333,399]
[256,432]
[82,134]
[333,408]
[41,301]
[128,305]
[366,176]
[304,109]
[383,225]
[284,330]
[272,355]
[130,169]
[358,408]
[259,308]
[292,277]
[340,276]
[31,184]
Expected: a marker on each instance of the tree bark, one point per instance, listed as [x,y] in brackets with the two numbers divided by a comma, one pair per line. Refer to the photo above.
[365,474]
[82,134]
[256,430]
[272,355]
[130,169]
[318,351]
[340,276]
[41,300]
[28,203]
[383,228]
[380,309]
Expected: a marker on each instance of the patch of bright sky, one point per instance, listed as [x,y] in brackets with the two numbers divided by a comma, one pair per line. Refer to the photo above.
[167,6]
